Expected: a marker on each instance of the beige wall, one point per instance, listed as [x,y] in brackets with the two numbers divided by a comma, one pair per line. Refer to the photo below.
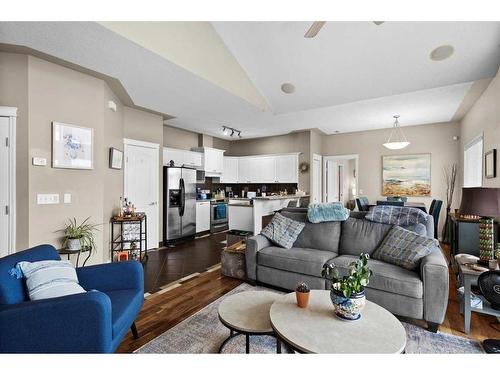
[315,148]
[14,93]
[44,92]
[293,142]
[436,139]
[113,178]
[484,117]
[64,95]
[178,138]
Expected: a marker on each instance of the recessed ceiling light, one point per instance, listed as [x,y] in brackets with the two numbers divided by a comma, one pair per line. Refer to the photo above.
[378,23]
[442,52]
[287,88]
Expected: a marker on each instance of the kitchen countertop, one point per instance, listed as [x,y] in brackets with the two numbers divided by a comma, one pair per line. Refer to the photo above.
[289,196]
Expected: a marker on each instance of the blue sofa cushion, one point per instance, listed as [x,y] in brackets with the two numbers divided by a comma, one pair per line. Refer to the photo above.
[125,305]
[12,289]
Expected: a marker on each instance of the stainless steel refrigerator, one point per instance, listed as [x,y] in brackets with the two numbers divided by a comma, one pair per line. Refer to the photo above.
[179,203]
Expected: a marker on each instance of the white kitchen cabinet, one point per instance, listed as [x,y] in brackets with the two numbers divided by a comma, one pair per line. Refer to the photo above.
[264,169]
[182,157]
[230,170]
[287,169]
[247,169]
[268,169]
[202,216]
[212,161]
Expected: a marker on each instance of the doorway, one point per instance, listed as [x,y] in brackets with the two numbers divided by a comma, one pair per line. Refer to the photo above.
[141,183]
[340,178]
[7,180]
[316,179]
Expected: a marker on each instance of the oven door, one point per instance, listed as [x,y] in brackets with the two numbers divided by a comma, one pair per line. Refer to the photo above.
[218,213]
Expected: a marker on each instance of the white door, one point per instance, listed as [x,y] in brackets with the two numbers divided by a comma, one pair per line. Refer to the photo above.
[4,187]
[316,180]
[142,183]
[287,169]
[332,183]
[341,182]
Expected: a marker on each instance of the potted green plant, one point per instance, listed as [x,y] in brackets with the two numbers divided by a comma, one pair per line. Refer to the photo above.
[78,236]
[302,293]
[348,293]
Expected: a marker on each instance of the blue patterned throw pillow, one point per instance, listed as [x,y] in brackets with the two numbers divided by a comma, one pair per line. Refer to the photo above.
[283,231]
[404,216]
[49,278]
[404,248]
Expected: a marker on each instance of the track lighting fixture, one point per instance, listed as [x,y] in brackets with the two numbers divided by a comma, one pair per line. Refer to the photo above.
[227,129]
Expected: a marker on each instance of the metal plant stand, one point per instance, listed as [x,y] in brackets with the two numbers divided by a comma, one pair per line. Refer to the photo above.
[118,240]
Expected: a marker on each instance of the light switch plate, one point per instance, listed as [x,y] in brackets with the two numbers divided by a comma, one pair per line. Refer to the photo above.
[67,198]
[41,162]
[47,198]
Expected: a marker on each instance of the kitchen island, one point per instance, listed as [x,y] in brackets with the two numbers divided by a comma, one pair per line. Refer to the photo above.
[246,214]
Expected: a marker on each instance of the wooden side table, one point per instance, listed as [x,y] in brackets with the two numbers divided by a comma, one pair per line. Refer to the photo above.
[469,277]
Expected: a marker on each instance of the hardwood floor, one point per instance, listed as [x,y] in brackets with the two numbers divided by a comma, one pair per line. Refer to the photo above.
[168,264]
[165,309]
[177,301]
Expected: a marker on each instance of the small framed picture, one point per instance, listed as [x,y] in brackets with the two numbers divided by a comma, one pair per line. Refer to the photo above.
[72,146]
[490,163]
[115,158]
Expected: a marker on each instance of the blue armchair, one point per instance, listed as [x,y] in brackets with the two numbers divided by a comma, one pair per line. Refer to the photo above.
[92,322]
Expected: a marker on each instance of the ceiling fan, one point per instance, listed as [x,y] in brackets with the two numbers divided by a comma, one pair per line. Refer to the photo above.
[316,27]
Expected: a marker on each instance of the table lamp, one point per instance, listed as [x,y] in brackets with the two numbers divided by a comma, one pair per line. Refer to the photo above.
[483,202]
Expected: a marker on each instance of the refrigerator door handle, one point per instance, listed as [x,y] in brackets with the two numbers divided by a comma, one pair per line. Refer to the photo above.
[183,197]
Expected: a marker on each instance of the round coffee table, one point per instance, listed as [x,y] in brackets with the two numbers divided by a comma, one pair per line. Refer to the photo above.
[316,329]
[247,313]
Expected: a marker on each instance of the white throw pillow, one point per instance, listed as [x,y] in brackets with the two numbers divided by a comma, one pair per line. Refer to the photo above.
[50,279]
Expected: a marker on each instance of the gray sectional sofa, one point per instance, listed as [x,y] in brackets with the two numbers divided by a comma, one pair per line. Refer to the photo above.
[419,295]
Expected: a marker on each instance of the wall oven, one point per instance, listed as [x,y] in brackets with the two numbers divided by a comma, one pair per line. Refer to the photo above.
[218,217]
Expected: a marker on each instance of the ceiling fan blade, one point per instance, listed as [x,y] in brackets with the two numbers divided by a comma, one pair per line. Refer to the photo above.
[314,29]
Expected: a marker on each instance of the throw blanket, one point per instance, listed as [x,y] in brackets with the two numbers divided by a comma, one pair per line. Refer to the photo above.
[402,216]
[320,212]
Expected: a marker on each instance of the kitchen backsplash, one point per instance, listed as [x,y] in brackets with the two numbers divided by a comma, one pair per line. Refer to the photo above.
[212,184]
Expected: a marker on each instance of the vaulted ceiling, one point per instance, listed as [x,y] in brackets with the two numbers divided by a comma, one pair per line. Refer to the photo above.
[352,76]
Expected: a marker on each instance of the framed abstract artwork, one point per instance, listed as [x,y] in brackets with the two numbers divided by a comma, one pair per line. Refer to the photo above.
[406,175]
[115,158]
[72,146]
[490,163]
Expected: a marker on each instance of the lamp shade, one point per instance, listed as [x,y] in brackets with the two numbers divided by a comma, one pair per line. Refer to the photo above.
[480,201]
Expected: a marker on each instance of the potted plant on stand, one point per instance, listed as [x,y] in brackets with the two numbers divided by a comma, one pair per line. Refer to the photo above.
[79,236]
[348,293]
[302,293]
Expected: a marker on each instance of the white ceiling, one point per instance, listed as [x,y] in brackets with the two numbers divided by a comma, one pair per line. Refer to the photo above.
[406,83]
[352,61]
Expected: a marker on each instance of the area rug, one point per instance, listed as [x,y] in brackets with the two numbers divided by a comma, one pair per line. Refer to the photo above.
[203,333]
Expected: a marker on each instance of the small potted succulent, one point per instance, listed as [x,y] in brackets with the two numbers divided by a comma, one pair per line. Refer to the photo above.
[348,293]
[302,293]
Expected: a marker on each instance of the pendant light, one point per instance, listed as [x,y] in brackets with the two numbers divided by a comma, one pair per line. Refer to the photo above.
[397,139]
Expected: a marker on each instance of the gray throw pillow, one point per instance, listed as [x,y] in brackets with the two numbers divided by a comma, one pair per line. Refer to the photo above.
[404,248]
[282,231]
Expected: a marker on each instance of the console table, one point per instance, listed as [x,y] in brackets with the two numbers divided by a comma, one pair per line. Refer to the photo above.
[469,277]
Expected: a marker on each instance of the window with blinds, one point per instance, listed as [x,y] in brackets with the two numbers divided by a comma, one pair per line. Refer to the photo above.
[473,163]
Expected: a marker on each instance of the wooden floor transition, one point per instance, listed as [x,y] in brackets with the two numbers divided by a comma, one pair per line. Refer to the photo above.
[179,300]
